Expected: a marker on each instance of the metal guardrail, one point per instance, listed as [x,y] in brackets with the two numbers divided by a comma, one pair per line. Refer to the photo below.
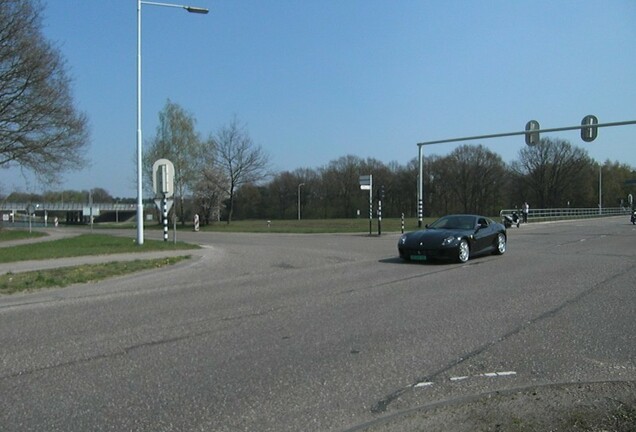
[45,213]
[552,214]
[21,207]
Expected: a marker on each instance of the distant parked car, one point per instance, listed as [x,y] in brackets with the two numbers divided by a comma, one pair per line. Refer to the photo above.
[454,237]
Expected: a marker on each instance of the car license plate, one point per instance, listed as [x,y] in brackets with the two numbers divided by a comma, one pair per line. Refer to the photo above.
[418,257]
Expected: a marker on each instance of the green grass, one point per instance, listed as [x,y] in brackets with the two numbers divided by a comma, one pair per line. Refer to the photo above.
[101,244]
[85,244]
[289,226]
[292,226]
[314,226]
[11,283]
[8,235]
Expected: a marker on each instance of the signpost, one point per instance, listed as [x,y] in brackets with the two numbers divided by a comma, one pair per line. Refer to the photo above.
[366,183]
[380,199]
[163,187]
[30,210]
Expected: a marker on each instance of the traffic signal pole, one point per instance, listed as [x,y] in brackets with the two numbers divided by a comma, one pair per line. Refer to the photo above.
[588,132]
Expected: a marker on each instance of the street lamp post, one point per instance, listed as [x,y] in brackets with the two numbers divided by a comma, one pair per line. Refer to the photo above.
[600,189]
[302,184]
[140,204]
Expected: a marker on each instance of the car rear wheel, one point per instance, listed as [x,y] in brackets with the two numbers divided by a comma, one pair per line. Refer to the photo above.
[500,244]
[463,252]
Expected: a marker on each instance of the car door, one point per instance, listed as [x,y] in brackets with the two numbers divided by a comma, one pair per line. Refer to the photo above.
[484,235]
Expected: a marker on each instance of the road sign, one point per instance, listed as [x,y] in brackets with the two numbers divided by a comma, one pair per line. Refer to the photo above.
[366,182]
[163,178]
[159,204]
[90,211]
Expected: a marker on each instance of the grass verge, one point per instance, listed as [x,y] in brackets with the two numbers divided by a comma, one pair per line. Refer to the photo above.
[315,226]
[293,226]
[85,244]
[11,283]
[8,235]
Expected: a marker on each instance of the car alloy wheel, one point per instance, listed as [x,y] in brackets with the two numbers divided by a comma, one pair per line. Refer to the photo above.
[501,244]
[464,252]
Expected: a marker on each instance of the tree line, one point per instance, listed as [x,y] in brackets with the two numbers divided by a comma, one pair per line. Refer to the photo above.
[471,179]
[227,176]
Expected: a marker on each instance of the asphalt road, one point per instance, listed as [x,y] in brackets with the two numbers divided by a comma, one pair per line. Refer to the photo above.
[322,333]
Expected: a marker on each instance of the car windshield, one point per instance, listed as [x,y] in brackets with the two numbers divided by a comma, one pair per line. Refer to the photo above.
[454,222]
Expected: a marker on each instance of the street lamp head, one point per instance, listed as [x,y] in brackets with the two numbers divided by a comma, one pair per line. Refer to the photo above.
[197,10]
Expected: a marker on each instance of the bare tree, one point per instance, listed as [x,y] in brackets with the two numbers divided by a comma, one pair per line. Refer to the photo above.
[474,177]
[341,187]
[40,130]
[208,195]
[239,160]
[177,141]
[553,171]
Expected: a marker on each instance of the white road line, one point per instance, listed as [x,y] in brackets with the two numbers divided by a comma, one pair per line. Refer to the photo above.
[463,378]
[497,374]
[459,378]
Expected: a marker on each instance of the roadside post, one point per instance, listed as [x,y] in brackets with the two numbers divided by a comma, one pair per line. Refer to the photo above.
[163,187]
[366,183]
[30,211]
[380,199]
[379,217]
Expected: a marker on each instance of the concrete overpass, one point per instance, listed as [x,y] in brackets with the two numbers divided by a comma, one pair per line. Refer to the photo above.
[69,212]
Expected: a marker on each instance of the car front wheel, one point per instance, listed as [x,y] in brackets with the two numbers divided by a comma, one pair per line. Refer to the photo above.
[463,252]
[500,245]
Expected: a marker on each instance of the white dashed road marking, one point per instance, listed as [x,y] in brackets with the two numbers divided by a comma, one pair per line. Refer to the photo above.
[462,378]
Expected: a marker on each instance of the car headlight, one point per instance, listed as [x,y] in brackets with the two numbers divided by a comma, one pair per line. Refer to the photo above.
[449,241]
[402,239]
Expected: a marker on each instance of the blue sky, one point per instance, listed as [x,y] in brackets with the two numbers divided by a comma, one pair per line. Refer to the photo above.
[317,80]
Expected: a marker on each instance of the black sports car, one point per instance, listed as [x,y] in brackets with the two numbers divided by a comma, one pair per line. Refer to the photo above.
[455,237]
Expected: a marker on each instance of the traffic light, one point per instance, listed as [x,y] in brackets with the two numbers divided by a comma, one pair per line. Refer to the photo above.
[380,193]
[589,134]
[532,138]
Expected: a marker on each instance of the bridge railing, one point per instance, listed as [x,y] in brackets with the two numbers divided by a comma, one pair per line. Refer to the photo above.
[39,207]
[552,214]
[14,214]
